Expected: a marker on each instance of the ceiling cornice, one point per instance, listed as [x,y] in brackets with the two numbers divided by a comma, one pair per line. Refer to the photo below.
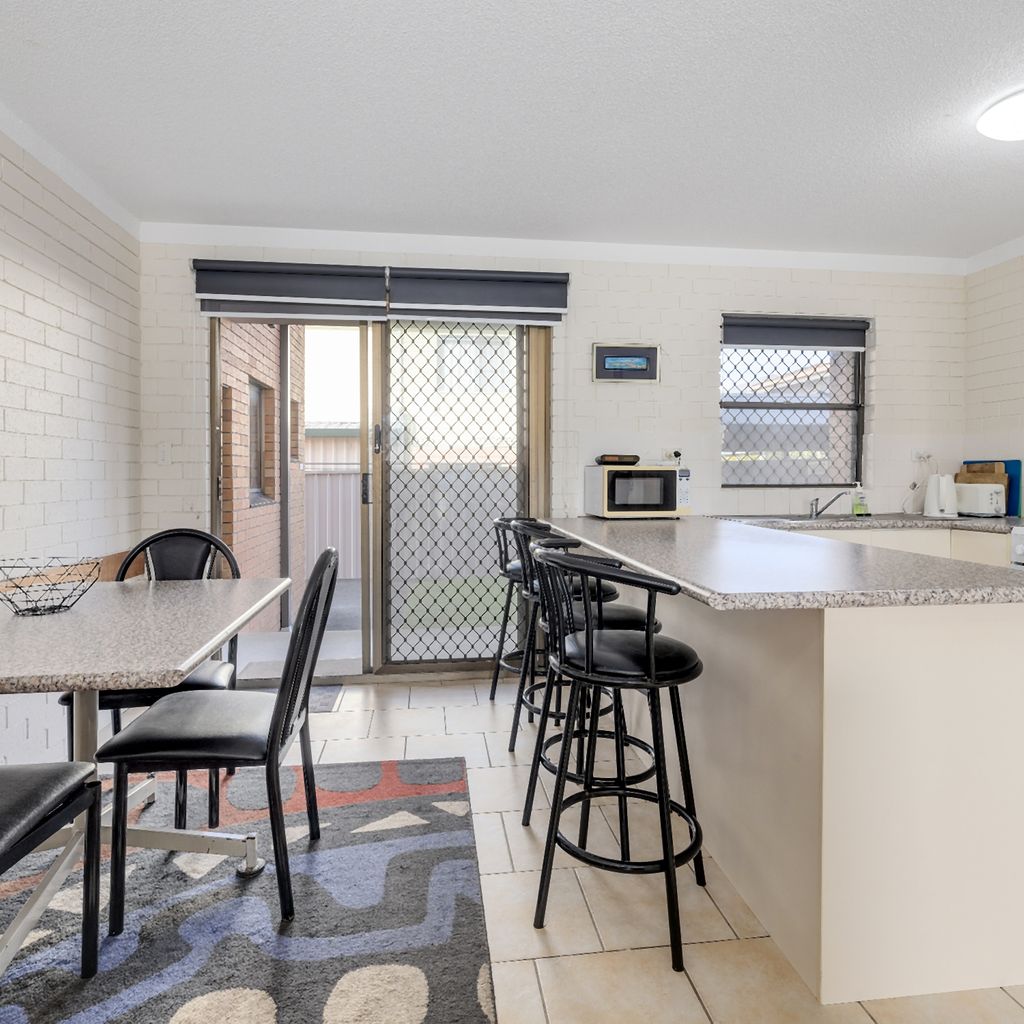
[536,248]
[66,169]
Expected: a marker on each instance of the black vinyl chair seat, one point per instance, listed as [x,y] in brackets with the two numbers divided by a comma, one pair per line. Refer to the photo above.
[624,653]
[211,675]
[227,728]
[30,793]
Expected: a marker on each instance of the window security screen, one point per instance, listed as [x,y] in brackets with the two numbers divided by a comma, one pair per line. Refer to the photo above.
[792,413]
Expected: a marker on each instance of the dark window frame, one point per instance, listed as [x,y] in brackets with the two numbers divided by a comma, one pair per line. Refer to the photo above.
[803,331]
[258,444]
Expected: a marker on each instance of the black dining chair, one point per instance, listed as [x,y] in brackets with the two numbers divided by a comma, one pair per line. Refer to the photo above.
[178,554]
[35,801]
[230,729]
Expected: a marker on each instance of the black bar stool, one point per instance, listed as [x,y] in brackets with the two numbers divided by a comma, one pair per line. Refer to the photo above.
[511,570]
[622,660]
[525,532]
[616,617]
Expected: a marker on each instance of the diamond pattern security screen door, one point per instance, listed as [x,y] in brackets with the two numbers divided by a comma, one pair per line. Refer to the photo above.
[454,459]
[792,414]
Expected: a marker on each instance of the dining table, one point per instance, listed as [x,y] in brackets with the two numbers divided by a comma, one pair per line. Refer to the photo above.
[135,634]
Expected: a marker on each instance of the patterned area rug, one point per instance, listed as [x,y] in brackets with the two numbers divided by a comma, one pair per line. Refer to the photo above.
[388,928]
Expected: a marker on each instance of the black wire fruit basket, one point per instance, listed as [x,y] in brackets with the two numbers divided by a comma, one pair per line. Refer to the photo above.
[41,586]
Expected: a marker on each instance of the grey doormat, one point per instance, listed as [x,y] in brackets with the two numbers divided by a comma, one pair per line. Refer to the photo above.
[388,920]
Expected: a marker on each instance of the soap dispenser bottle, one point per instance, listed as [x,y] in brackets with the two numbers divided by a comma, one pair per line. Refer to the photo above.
[860,501]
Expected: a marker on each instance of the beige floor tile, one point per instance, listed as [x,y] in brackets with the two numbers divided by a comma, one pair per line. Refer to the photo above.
[613,988]
[630,911]
[491,845]
[468,745]
[500,789]
[982,1006]
[346,751]
[449,695]
[294,755]
[340,725]
[505,693]
[500,755]
[743,920]
[1016,992]
[486,717]
[509,904]
[748,980]
[527,841]
[407,722]
[517,995]
[373,695]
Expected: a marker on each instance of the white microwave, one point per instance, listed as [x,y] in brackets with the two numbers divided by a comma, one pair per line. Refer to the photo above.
[636,492]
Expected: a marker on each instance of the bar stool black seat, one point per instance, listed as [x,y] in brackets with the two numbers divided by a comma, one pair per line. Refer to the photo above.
[179,554]
[35,801]
[230,728]
[646,663]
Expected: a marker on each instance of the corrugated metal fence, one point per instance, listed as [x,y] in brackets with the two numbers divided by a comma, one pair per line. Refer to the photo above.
[332,516]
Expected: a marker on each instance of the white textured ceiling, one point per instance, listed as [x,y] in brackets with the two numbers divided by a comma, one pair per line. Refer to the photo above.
[820,125]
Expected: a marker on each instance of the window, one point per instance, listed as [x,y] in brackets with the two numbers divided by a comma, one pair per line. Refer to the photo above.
[792,401]
[259,490]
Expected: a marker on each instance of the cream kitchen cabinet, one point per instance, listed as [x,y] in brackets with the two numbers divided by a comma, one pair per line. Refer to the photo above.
[917,541]
[987,548]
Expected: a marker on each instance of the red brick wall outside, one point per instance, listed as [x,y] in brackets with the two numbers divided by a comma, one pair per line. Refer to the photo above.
[252,526]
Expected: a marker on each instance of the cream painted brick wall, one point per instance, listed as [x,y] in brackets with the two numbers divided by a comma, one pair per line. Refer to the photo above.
[69,395]
[994,374]
[915,379]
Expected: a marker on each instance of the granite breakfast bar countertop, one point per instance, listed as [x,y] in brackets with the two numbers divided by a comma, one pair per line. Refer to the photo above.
[885,521]
[731,565]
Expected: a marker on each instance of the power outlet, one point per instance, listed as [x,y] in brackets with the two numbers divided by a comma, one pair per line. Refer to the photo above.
[671,453]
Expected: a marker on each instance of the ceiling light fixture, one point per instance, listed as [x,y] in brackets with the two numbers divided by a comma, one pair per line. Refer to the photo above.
[1004,120]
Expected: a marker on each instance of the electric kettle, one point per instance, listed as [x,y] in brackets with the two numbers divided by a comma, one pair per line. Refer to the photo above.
[940,497]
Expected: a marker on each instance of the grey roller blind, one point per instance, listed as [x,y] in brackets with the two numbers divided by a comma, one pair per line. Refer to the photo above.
[243,290]
[290,291]
[825,333]
[417,293]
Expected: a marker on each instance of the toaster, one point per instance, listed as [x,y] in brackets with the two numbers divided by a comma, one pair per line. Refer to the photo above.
[981,499]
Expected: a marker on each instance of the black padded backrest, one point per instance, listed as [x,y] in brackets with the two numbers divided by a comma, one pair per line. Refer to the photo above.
[304,648]
[525,531]
[181,554]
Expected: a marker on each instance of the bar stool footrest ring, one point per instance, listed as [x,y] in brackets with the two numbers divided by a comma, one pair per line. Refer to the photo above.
[631,867]
[601,781]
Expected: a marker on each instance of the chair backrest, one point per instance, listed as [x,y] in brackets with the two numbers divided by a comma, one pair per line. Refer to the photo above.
[183,554]
[304,648]
[555,570]
[503,535]
[180,554]
[524,532]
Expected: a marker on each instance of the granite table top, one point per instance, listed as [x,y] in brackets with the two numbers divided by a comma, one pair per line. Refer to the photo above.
[886,521]
[128,635]
[731,565]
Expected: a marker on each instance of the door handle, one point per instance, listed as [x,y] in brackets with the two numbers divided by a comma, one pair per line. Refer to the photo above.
[376,439]
[365,489]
